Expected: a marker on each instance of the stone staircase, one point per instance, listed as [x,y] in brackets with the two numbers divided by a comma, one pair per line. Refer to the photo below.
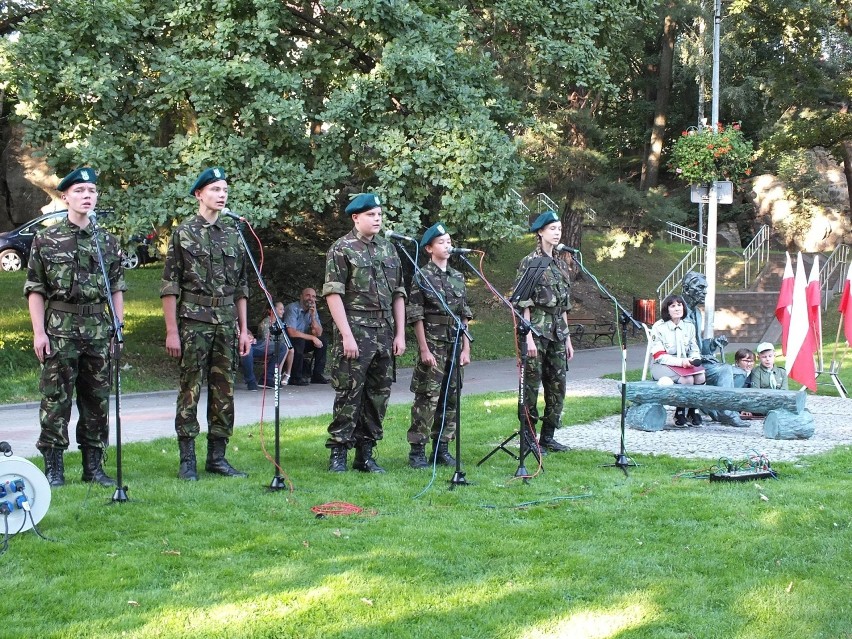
[748,316]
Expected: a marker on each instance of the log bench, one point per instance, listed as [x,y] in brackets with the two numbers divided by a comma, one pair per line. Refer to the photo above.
[581,327]
[786,415]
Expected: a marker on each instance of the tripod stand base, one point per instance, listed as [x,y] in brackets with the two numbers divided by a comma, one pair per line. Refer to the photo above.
[501,446]
[623,462]
[277,483]
[458,479]
[120,495]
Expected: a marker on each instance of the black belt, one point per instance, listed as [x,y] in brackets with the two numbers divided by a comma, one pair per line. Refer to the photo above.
[207,300]
[371,314]
[77,309]
[438,319]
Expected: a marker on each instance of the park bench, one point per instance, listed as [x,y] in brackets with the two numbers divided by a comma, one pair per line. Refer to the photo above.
[592,327]
[786,415]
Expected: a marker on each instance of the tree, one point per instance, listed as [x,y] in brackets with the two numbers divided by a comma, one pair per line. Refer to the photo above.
[303,103]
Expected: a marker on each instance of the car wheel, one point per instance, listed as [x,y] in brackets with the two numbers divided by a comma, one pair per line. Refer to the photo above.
[130,259]
[11,260]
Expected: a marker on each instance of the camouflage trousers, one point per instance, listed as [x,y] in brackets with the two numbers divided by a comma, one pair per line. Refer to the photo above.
[434,389]
[209,349]
[548,367]
[362,386]
[84,366]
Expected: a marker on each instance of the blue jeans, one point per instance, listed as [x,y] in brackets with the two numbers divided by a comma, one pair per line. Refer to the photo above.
[262,350]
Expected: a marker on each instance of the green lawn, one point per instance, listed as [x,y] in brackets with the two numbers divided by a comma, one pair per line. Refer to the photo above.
[581,551]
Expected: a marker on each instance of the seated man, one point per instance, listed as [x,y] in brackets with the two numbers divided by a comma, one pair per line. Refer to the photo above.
[718,374]
[305,331]
[263,349]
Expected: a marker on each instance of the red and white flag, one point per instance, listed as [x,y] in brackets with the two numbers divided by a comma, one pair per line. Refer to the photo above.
[815,304]
[785,301]
[800,339]
[846,307]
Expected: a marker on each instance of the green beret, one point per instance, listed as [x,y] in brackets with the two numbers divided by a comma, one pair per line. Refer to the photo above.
[363,202]
[208,176]
[78,176]
[548,217]
[433,232]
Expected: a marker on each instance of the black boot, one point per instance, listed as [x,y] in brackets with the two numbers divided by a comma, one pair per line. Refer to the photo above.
[441,453]
[93,470]
[680,416]
[417,456]
[547,442]
[364,458]
[54,467]
[337,460]
[188,469]
[693,417]
[216,462]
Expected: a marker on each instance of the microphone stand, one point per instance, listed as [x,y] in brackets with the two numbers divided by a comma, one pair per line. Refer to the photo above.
[622,459]
[526,439]
[116,341]
[278,330]
[458,478]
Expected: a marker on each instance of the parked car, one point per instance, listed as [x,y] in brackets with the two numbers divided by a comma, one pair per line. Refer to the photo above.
[15,245]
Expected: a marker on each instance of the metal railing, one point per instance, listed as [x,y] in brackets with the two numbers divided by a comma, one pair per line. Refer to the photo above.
[523,211]
[685,235]
[756,255]
[834,265]
[544,203]
[692,261]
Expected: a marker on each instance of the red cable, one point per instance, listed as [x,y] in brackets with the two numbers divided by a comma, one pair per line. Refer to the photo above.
[336,509]
[265,364]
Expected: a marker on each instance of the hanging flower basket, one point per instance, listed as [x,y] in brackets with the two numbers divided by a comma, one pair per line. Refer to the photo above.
[701,156]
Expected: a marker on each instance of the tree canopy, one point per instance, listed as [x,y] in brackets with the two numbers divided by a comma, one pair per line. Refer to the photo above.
[443,108]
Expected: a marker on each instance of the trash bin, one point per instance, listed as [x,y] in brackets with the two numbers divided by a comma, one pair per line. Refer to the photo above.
[645,311]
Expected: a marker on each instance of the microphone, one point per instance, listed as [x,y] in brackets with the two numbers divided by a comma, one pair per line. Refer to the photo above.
[233,215]
[397,236]
[567,249]
[460,251]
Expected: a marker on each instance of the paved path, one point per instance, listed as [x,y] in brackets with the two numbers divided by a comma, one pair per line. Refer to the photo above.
[147,416]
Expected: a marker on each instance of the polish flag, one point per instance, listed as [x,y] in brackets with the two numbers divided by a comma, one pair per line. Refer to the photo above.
[814,304]
[846,307]
[785,301]
[800,339]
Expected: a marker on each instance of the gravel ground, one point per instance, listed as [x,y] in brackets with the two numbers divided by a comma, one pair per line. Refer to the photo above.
[832,428]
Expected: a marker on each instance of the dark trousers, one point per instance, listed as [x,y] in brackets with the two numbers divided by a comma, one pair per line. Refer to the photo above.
[303,346]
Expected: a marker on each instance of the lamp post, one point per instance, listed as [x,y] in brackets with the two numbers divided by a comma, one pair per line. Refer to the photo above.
[712,204]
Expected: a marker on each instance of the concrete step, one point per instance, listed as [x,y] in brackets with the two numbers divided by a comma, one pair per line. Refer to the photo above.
[745,316]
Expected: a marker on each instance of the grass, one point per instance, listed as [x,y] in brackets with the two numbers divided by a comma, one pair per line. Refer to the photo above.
[580,551]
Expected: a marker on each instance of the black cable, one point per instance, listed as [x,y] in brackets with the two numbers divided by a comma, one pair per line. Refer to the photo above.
[5,545]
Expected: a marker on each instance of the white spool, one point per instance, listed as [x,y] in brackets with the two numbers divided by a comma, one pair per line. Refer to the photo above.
[36,489]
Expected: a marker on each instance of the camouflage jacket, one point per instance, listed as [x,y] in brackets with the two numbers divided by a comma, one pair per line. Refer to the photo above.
[367,274]
[548,299]
[63,267]
[205,260]
[424,305]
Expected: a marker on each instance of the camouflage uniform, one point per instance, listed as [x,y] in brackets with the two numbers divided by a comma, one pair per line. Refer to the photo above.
[547,302]
[429,384]
[64,269]
[367,274]
[205,267]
